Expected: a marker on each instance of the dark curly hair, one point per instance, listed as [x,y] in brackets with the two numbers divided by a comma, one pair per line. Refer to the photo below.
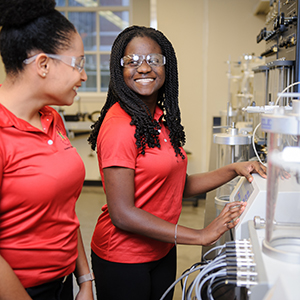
[29,25]
[146,128]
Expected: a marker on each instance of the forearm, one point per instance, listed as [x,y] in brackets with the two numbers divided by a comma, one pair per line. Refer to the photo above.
[136,220]
[144,223]
[82,266]
[10,285]
[204,182]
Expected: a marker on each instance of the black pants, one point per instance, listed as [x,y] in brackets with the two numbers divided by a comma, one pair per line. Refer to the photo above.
[146,281]
[54,290]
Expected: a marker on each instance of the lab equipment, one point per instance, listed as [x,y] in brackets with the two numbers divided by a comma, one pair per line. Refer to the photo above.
[232,147]
[282,239]
[240,88]
[271,218]
[270,221]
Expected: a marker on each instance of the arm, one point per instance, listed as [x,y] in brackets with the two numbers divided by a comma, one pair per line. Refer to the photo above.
[10,285]
[205,182]
[82,268]
[119,184]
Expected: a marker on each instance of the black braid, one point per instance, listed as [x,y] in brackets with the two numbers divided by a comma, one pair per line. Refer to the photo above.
[146,128]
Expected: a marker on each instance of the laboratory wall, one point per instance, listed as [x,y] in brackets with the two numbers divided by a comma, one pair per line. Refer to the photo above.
[205,34]
[2,72]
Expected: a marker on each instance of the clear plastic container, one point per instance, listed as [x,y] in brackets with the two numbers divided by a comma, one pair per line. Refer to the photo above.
[282,231]
[232,147]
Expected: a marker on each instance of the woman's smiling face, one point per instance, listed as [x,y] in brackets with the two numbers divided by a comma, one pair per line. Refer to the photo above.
[144,80]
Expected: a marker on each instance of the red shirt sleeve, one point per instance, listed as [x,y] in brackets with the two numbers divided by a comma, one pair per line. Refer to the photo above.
[116,143]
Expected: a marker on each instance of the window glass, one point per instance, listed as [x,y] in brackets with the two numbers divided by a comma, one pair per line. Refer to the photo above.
[114,2]
[85,23]
[111,24]
[84,3]
[60,2]
[98,23]
[90,68]
[104,71]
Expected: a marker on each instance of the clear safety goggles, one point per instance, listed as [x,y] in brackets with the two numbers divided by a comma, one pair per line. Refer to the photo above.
[73,61]
[135,60]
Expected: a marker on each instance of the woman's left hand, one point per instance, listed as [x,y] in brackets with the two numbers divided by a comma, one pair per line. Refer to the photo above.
[85,292]
[248,167]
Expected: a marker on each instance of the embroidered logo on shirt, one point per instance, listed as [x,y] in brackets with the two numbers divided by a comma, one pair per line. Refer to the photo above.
[61,136]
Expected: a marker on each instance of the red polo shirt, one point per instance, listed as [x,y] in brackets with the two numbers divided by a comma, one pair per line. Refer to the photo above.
[159,183]
[41,176]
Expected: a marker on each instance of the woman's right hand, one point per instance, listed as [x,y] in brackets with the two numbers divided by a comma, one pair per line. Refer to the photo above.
[227,219]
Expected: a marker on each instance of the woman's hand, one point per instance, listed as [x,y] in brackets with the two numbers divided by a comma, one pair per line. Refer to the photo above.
[223,222]
[248,167]
[85,292]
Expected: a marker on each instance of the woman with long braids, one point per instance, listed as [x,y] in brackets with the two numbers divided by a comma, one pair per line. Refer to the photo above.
[139,139]
[41,174]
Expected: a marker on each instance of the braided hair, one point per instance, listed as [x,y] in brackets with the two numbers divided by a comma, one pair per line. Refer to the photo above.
[147,129]
[29,25]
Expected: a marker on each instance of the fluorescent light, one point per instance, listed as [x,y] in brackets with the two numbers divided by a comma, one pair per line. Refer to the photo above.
[88,3]
[113,18]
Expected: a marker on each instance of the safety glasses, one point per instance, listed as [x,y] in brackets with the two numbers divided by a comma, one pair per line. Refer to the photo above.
[135,60]
[74,62]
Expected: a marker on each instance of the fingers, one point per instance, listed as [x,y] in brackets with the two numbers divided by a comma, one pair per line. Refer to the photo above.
[231,215]
[231,212]
[246,168]
[249,178]
[261,170]
[227,219]
[234,206]
[232,224]
[284,174]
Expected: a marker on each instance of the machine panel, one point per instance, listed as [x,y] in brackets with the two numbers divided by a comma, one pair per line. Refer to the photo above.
[244,192]
[255,195]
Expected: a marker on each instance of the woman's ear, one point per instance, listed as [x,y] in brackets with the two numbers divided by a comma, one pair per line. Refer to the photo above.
[42,64]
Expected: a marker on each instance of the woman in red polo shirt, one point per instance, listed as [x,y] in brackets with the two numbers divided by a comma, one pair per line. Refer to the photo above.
[139,139]
[41,174]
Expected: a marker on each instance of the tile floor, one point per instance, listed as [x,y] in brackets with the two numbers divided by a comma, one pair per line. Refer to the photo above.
[89,207]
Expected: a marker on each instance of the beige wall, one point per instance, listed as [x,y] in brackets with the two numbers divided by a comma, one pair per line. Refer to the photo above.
[204,34]
[141,12]
[2,72]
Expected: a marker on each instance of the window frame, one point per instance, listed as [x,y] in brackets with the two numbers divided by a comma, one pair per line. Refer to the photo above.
[69,9]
